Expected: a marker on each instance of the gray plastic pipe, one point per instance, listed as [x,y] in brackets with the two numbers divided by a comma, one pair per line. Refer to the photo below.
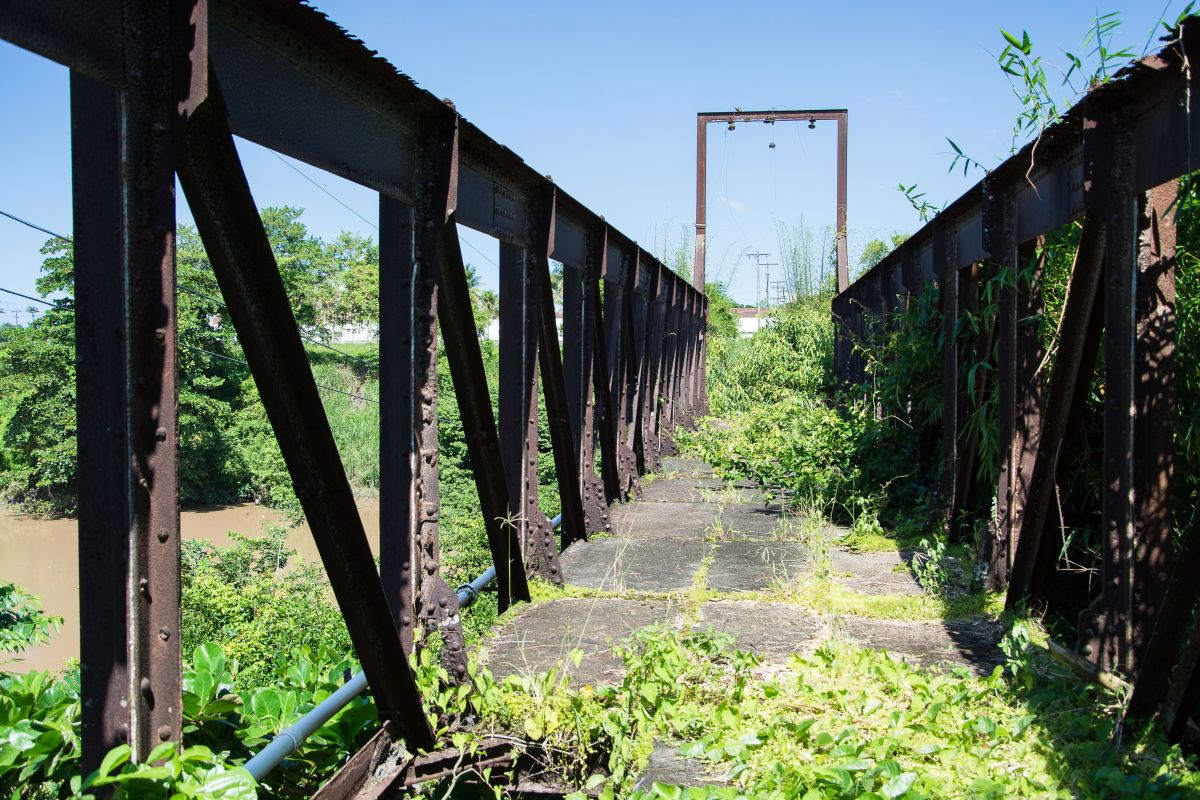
[291,737]
[288,739]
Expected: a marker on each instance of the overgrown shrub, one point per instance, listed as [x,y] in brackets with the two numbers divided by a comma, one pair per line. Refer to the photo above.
[258,605]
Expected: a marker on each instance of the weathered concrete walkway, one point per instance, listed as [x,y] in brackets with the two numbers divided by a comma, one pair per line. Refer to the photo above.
[695,538]
[696,551]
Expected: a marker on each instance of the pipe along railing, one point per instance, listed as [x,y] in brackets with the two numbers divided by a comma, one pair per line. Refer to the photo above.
[288,740]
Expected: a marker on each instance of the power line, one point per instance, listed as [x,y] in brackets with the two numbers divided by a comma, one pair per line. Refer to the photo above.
[27,223]
[44,302]
[181,287]
[336,199]
[221,356]
[477,250]
[309,339]
[344,205]
[728,199]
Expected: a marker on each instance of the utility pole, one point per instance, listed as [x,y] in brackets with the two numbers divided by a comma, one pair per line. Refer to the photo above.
[762,283]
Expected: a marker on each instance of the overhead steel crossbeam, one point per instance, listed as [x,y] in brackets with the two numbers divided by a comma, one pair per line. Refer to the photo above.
[162,88]
[1112,165]
[731,118]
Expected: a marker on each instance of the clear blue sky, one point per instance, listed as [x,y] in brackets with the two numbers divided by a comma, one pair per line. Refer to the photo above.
[604,96]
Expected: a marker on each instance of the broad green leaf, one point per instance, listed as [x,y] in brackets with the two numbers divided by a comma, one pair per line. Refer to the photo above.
[899,785]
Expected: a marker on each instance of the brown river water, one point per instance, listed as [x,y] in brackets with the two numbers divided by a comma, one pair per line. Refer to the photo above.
[42,557]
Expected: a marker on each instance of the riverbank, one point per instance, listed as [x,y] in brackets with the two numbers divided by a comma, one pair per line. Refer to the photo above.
[42,556]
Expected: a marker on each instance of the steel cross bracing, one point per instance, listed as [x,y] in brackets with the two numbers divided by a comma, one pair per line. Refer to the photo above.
[160,89]
[1112,164]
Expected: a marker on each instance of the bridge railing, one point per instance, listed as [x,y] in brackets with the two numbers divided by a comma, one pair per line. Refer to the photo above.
[159,89]
[1112,164]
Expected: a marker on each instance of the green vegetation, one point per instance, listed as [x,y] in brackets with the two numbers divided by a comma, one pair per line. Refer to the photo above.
[227,449]
[841,722]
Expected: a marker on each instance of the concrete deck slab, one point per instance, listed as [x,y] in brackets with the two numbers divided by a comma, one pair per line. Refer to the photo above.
[873,573]
[768,629]
[663,520]
[753,566]
[544,635]
[967,642]
[686,466]
[667,766]
[658,564]
[698,490]
[751,521]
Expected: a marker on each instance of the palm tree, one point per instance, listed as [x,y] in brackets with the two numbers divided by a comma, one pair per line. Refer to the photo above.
[485,304]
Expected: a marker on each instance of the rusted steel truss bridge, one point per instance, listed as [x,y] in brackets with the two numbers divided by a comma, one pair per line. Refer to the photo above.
[159,90]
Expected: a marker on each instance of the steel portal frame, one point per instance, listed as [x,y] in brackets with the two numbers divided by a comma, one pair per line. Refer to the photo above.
[840,115]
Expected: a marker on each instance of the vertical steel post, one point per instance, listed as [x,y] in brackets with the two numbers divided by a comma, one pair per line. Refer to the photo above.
[1154,407]
[605,419]
[1028,402]
[399,452]
[409,498]
[1000,244]
[520,315]
[843,258]
[670,359]
[124,249]
[701,200]
[1032,559]
[579,286]
[616,276]
[479,421]
[642,326]
[655,383]
[945,264]
[1114,650]
[558,411]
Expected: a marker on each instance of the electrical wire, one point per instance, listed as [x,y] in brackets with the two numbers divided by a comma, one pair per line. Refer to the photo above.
[27,223]
[62,304]
[346,206]
[309,339]
[481,253]
[728,201]
[182,288]
[223,357]
[336,199]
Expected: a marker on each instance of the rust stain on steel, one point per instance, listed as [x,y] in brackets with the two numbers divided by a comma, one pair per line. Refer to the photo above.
[479,423]
[398,459]
[1105,632]
[145,102]
[124,212]
[1033,558]
[382,766]
[1004,257]
[581,372]
[520,313]
[1154,404]
[564,445]
[470,387]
